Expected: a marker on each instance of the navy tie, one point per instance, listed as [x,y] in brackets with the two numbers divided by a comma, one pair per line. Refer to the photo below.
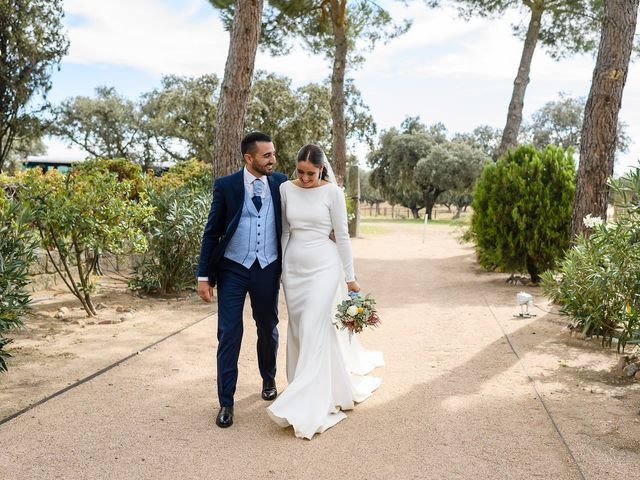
[257,192]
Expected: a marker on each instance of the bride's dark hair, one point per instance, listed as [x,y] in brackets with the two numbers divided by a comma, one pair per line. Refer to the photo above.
[315,155]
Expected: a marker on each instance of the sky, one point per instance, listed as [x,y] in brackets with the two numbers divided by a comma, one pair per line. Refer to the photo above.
[444,69]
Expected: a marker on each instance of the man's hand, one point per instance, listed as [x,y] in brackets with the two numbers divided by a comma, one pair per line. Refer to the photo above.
[205,292]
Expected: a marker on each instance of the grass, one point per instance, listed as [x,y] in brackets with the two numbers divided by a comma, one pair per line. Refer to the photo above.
[368,229]
[374,220]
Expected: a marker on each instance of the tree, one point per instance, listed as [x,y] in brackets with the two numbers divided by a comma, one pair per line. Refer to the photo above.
[393,162]
[599,130]
[484,138]
[180,117]
[107,126]
[449,166]
[295,117]
[22,148]
[457,198]
[177,120]
[562,26]
[236,85]
[331,28]
[291,117]
[522,210]
[559,122]
[368,193]
[32,42]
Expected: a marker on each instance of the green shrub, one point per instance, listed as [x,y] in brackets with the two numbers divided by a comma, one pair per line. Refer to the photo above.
[522,210]
[181,199]
[598,282]
[17,247]
[192,175]
[81,215]
[124,170]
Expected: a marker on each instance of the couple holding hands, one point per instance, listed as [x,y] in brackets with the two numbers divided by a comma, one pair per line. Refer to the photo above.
[262,227]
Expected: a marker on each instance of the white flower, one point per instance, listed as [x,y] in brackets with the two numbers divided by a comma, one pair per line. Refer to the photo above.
[590,221]
[352,311]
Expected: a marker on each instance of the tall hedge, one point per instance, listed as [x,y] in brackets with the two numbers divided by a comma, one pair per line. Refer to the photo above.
[522,210]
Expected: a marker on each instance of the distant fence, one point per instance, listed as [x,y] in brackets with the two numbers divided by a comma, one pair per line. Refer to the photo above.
[386,211]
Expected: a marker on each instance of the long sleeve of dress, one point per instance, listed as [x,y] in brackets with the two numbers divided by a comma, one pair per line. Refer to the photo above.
[338,210]
[283,213]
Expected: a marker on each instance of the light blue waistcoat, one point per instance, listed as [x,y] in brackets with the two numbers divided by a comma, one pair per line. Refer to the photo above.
[255,236]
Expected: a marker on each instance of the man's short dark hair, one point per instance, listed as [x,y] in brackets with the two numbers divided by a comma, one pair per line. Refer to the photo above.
[248,144]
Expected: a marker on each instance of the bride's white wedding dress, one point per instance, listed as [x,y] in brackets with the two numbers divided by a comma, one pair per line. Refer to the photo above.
[327,371]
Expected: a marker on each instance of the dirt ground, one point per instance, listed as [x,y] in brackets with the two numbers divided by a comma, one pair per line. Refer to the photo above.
[456,401]
[51,353]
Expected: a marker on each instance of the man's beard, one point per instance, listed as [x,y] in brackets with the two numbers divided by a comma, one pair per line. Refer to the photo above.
[263,170]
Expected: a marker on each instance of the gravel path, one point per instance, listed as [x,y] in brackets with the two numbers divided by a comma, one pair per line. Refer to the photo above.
[455,402]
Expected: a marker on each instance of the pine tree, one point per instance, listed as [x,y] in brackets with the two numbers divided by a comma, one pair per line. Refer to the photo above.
[522,210]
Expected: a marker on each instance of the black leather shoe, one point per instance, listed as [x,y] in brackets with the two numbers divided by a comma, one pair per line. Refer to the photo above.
[225,417]
[269,391]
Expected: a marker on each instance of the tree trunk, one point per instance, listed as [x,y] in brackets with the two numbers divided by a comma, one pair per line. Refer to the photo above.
[599,128]
[338,129]
[514,115]
[532,269]
[430,197]
[236,86]
[429,204]
[414,211]
[353,192]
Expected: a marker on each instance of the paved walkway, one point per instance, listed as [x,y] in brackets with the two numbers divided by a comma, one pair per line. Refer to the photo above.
[455,400]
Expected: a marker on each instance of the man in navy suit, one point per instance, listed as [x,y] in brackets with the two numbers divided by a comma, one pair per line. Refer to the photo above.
[241,253]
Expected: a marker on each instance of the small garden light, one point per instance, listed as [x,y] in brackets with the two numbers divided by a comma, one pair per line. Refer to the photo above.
[525,300]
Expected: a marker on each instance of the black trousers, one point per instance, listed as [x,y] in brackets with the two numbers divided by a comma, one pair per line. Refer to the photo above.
[263,286]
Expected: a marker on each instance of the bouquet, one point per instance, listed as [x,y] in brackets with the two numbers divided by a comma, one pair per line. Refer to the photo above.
[357,312]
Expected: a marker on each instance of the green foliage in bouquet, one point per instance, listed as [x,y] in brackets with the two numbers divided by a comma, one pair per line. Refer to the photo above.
[181,199]
[598,282]
[79,216]
[356,313]
[17,247]
[522,210]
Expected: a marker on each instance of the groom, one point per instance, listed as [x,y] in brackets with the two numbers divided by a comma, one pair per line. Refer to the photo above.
[241,253]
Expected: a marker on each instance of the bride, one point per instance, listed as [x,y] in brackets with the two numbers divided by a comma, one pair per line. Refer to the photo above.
[326,370]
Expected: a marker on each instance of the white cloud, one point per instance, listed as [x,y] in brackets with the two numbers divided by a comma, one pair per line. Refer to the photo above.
[148,35]
[58,148]
[299,65]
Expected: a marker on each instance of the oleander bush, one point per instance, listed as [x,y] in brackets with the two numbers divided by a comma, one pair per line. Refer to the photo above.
[181,199]
[522,210]
[17,252]
[82,214]
[124,170]
[597,283]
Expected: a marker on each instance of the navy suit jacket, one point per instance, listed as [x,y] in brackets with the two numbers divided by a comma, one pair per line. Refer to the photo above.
[224,217]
